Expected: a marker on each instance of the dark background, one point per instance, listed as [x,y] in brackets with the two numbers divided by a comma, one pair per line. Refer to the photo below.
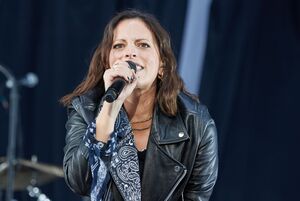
[250,83]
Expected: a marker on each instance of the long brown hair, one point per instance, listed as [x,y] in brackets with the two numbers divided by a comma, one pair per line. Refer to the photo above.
[169,84]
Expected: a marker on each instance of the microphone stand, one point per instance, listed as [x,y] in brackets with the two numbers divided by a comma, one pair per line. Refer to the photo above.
[13,118]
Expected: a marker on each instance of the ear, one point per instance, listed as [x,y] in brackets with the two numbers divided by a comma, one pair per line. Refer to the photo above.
[160,71]
[161,68]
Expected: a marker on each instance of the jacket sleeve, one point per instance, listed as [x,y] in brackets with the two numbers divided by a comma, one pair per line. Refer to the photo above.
[76,168]
[205,170]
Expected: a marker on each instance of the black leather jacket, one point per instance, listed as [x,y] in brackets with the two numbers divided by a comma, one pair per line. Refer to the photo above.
[181,161]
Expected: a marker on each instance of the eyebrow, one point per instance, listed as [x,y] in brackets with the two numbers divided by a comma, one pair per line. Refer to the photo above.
[139,39]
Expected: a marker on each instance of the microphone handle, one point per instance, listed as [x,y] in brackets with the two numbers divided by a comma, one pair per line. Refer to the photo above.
[114,90]
[117,86]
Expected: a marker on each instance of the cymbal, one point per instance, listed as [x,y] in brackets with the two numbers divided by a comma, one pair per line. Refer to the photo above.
[29,173]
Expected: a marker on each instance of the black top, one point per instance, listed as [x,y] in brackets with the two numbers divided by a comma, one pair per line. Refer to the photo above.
[142,156]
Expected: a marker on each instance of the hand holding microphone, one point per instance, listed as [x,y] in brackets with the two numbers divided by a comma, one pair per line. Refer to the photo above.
[120,79]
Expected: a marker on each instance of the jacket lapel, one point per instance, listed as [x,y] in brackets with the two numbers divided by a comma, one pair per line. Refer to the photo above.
[168,130]
[163,171]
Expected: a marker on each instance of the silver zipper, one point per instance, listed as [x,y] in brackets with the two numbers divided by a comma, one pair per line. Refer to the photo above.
[175,186]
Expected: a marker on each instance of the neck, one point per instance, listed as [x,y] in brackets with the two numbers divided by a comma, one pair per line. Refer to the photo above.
[139,105]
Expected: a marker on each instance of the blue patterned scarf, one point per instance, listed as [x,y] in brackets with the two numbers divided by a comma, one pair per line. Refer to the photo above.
[115,160]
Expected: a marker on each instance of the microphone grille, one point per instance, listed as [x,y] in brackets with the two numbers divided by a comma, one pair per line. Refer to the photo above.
[132,65]
[30,80]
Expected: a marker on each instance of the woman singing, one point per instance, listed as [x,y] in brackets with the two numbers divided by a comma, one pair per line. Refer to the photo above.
[155,141]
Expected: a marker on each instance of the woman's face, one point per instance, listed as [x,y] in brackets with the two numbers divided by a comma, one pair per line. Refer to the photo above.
[134,41]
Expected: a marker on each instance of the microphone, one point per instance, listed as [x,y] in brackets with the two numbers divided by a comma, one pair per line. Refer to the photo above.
[117,86]
[30,80]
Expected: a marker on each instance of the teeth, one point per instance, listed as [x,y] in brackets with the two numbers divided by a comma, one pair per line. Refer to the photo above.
[139,67]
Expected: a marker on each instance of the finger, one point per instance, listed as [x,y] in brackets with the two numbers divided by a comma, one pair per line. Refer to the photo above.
[119,71]
[125,68]
[122,64]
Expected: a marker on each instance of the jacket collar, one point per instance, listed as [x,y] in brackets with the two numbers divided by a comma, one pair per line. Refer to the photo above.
[167,129]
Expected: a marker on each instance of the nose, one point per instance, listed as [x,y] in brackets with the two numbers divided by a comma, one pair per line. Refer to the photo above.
[130,55]
[130,52]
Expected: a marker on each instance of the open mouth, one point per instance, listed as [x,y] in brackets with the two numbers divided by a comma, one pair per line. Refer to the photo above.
[138,67]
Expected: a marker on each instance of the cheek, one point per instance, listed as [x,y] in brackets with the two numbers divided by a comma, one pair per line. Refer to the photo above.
[152,58]
[156,63]
[112,58]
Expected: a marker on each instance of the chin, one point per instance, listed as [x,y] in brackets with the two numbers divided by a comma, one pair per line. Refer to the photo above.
[145,86]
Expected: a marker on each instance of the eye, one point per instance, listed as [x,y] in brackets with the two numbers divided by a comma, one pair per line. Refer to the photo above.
[143,45]
[118,46]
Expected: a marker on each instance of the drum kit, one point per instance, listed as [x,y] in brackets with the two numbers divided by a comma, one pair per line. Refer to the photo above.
[29,176]
[19,174]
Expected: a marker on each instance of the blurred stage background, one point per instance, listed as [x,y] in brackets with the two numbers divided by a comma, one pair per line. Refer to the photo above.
[241,57]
